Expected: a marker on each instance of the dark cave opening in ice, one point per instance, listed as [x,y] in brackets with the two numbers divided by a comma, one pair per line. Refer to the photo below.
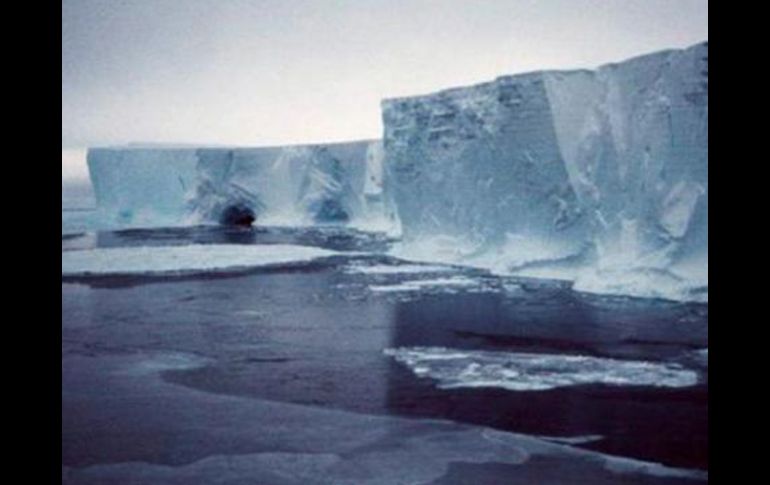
[237,215]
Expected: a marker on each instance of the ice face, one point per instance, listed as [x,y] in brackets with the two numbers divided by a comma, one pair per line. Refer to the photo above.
[600,177]
[603,171]
[481,162]
[636,148]
[136,186]
[299,185]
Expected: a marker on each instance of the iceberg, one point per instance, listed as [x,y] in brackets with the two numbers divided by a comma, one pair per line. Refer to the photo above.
[337,183]
[598,176]
[602,171]
[141,186]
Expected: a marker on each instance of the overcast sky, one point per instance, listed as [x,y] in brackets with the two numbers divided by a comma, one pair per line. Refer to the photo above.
[256,72]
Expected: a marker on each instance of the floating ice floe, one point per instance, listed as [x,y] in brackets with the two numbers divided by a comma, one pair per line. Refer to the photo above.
[438,283]
[184,259]
[514,371]
[386,269]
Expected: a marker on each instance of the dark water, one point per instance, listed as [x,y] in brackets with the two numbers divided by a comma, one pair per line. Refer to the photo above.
[328,237]
[315,335]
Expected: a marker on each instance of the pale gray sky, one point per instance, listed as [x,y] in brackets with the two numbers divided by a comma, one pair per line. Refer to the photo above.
[256,72]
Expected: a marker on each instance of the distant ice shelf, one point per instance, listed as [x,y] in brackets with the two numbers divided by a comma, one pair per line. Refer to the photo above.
[339,183]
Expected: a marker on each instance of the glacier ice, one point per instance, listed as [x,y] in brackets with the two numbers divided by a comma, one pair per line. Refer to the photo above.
[293,185]
[603,171]
[595,176]
[387,269]
[141,186]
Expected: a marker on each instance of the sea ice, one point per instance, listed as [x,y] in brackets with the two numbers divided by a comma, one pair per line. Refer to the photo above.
[248,440]
[184,259]
[438,283]
[386,269]
[455,368]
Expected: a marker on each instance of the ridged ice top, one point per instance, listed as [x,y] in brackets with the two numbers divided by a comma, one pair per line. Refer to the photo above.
[531,75]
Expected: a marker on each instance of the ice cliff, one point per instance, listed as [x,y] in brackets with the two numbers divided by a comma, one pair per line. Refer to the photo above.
[294,185]
[597,176]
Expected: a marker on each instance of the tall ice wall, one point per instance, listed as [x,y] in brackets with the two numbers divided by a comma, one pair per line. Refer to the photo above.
[604,169]
[337,183]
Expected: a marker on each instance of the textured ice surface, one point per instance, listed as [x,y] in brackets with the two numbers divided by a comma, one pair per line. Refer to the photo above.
[386,269]
[643,282]
[142,186]
[444,284]
[603,169]
[184,259]
[594,176]
[297,185]
[197,437]
[454,368]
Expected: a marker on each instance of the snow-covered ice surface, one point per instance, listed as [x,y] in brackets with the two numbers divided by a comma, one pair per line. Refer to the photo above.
[258,441]
[596,176]
[455,368]
[194,258]
[442,284]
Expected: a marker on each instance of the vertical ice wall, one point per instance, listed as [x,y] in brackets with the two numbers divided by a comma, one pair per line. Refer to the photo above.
[299,185]
[634,137]
[599,176]
[288,185]
[603,175]
[141,186]
[482,165]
